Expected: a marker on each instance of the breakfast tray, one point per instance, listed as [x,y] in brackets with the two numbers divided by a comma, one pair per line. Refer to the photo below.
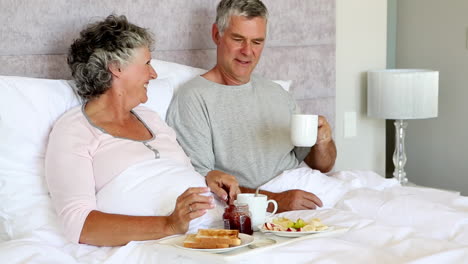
[244,251]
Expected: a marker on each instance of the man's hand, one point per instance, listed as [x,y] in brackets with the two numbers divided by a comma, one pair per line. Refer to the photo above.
[322,155]
[324,133]
[290,200]
[224,185]
[295,200]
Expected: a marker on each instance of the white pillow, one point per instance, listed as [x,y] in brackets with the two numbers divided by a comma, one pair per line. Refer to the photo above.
[28,109]
[160,93]
[177,74]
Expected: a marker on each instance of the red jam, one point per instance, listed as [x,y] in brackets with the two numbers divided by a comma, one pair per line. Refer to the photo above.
[238,217]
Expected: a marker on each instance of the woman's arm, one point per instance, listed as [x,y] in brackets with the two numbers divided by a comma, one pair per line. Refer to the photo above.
[103,229]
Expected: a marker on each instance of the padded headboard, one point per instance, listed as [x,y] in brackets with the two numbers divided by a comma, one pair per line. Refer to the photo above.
[35,36]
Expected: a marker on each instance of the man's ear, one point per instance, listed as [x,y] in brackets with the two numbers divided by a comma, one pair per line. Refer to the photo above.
[114,68]
[215,35]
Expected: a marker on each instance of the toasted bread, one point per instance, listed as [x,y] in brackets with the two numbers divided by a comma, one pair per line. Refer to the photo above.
[212,238]
[223,236]
[191,241]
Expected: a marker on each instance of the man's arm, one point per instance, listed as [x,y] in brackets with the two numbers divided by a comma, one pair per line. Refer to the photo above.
[322,155]
[222,183]
[290,200]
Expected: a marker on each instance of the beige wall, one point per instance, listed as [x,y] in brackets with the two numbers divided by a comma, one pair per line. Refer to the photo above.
[36,46]
[437,39]
[361,28]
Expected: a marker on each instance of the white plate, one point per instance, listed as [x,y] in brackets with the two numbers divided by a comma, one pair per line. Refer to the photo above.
[245,241]
[294,234]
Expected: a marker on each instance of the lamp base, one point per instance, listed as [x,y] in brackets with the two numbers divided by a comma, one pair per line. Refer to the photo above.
[399,156]
[401,178]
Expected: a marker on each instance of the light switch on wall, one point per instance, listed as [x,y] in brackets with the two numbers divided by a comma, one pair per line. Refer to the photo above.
[349,124]
[466,40]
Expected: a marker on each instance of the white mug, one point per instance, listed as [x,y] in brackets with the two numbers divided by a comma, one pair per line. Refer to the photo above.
[304,130]
[258,205]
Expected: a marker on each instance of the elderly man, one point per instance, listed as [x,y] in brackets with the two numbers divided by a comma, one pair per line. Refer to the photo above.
[232,122]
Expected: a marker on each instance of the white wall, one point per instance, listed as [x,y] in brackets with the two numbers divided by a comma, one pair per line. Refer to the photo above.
[361,29]
[391,32]
[437,149]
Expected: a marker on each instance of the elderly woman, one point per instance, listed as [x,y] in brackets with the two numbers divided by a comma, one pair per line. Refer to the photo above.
[92,144]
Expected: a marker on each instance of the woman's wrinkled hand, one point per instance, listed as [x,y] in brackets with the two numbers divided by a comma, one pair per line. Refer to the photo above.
[189,205]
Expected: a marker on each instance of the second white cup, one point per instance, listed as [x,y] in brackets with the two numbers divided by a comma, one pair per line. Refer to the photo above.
[258,205]
[304,130]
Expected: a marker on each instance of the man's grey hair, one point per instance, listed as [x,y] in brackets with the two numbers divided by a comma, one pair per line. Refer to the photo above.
[111,41]
[246,8]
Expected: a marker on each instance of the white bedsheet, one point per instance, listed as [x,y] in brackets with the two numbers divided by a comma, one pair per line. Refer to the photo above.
[329,188]
[388,224]
[137,191]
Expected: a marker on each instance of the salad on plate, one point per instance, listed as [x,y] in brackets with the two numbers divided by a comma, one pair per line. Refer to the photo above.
[284,224]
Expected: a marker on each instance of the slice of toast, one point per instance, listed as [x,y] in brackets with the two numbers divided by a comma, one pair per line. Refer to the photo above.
[212,238]
[223,236]
[191,241]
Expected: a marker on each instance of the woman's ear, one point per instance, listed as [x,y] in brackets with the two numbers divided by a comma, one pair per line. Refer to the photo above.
[114,68]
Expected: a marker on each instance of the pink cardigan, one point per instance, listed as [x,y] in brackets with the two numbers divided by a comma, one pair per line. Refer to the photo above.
[81,158]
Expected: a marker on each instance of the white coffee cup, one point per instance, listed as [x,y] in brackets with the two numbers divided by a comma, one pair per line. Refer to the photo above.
[304,130]
[258,205]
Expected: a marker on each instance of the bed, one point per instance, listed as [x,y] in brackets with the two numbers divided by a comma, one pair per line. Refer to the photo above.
[375,220]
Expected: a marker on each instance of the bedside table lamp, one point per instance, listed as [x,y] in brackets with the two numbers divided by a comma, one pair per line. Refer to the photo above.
[402,94]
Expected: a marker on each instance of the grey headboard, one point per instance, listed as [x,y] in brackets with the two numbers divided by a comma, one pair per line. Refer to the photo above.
[35,36]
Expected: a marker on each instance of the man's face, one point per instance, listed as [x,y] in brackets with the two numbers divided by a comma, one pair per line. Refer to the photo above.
[240,47]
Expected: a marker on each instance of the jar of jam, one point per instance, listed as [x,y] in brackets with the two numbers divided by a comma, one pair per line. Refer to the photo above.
[238,217]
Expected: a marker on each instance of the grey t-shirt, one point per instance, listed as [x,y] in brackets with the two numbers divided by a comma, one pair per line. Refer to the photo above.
[241,130]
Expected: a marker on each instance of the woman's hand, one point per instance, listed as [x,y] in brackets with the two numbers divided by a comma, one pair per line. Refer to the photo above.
[190,205]
[224,185]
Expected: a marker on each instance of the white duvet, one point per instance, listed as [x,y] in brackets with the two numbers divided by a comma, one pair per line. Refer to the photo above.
[151,188]
[388,223]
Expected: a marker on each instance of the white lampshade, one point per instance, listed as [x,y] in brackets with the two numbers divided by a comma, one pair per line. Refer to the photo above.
[402,93]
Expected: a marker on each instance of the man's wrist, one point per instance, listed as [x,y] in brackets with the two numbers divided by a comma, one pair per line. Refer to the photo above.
[246,190]
[270,195]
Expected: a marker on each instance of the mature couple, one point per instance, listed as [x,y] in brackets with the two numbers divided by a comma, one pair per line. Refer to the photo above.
[222,120]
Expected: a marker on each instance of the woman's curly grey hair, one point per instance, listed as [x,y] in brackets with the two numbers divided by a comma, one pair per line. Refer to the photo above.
[246,8]
[100,44]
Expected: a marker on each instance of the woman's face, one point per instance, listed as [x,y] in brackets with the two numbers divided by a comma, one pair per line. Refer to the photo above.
[136,75]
